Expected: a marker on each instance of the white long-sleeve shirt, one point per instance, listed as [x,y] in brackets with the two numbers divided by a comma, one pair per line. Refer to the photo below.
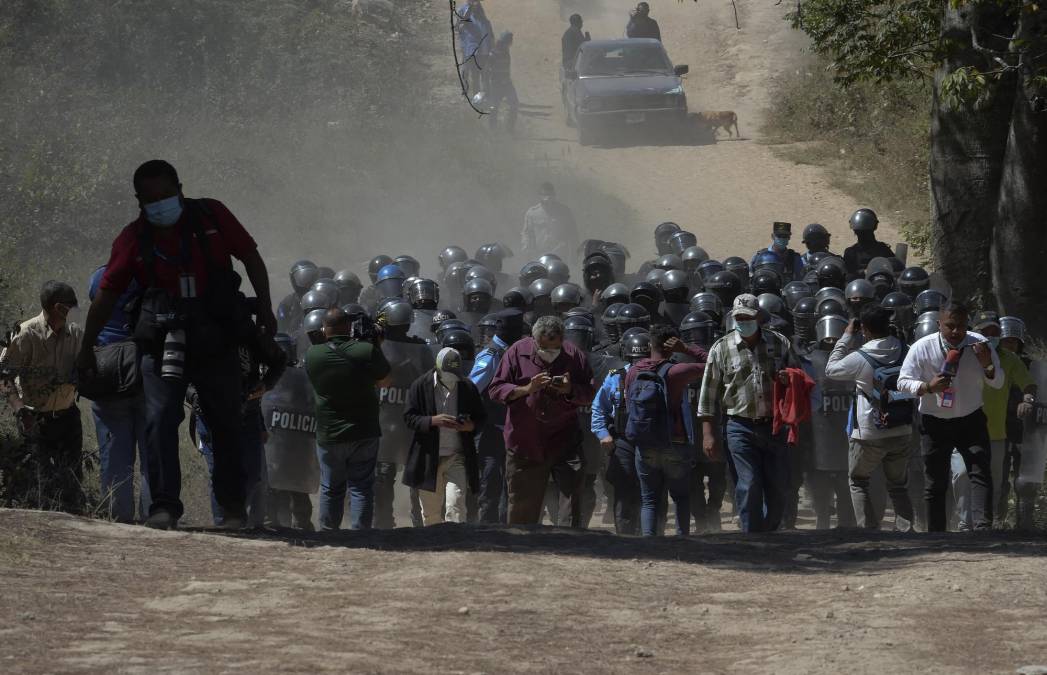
[924,363]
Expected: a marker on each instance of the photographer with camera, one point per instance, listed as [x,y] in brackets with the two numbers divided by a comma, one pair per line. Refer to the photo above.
[187,326]
[542,381]
[37,376]
[444,410]
[345,371]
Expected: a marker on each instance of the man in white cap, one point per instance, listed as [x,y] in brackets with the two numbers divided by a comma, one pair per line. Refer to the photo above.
[736,401]
[444,409]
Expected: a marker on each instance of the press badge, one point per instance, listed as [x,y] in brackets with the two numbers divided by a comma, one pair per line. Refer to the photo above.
[187,286]
[948,398]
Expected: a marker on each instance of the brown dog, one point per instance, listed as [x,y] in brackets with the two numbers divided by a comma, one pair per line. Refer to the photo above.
[723,119]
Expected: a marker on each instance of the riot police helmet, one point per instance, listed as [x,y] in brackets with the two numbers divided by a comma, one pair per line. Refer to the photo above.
[423,294]
[637,346]
[408,264]
[303,276]
[676,286]
[477,295]
[646,294]
[578,330]
[376,264]
[771,304]
[439,317]
[542,288]
[737,266]
[707,268]
[805,314]
[662,233]
[558,271]
[565,297]
[670,261]
[609,319]
[396,314]
[615,293]
[709,303]
[766,280]
[681,241]
[794,291]
[830,292]
[313,326]
[655,277]
[929,300]
[492,256]
[913,281]
[815,234]
[831,307]
[324,272]
[519,298]
[327,286]
[831,274]
[829,330]
[548,258]
[449,325]
[726,285]
[287,343]
[693,257]
[314,300]
[349,286]
[390,282]
[859,292]
[462,340]
[900,306]
[926,325]
[531,272]
[451,255]
[768,260]
[864,220]
[698,328]
[633,315]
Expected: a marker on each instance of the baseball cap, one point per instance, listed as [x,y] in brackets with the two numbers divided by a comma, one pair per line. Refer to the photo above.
[746,305]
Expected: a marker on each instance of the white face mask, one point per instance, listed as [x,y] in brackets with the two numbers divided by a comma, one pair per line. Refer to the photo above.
[548,355]
[165,212]
[746,328]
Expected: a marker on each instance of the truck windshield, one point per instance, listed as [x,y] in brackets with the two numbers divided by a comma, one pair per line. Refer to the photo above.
[624,60]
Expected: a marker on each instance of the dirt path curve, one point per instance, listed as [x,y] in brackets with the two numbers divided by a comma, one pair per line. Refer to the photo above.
[728,192]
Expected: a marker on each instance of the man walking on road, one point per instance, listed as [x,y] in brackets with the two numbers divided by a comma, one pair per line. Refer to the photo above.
[572,40]
[947,370]
[549,227]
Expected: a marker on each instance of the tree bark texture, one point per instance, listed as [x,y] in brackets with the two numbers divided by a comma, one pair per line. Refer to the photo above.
[968,145]
[1019,252]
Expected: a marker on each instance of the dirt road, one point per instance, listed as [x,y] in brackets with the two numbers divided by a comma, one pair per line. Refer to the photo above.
[728,192]
[88,596]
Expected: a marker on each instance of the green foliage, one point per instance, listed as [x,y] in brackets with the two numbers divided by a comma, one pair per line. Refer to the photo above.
[879,41]
[963,87]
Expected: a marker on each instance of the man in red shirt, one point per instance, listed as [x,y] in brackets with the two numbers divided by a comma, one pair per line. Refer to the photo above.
[542,381]
[180,252]
[669,467]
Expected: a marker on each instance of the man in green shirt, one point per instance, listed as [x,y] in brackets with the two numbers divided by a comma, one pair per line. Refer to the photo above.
[344,372]
[1016,376]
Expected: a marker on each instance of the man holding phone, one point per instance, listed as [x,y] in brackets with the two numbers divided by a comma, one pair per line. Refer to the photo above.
[542,381]
[948,370]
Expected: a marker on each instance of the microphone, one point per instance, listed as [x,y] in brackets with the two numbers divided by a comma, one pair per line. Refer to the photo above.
[951,364]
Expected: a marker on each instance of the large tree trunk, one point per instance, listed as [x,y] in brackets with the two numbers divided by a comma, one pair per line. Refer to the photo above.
[1019,251]
[968,144]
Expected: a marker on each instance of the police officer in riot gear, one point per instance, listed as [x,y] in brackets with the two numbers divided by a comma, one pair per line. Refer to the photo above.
[900,306]
[816,239]
[739,268]
[532,272]
[614,294]
[410,265]
[409,357]
[313,327]
[518,297]
[764,281]
[424,297]
[725,286]
[477,297]
[832,273]
[792,263]
[805,315]
[858,294]
[692,258]
[542,303]
[681,241]
[675,291]
[794,291]
[669,261]
[864,222]
[709,303]
[390,282]
[597,274]
[707,268]
[557,271]
[370,296]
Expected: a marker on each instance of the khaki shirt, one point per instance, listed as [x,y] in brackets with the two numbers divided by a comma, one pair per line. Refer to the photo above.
[44,364]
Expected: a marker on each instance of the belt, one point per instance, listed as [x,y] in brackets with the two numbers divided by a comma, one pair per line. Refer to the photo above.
[751,420]
[53,414]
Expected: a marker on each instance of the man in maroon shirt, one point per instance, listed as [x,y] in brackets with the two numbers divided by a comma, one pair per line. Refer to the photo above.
[669,467]
[180,252]
[542,381]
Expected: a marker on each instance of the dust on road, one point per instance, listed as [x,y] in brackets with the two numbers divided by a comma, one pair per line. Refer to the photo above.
[86,596]
[728,192]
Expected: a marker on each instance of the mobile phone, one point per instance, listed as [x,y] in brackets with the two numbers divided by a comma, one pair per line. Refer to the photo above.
[560,380]
[462,419]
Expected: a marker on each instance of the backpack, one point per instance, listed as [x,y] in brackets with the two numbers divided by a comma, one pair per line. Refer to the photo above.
[893,408]
[649,423]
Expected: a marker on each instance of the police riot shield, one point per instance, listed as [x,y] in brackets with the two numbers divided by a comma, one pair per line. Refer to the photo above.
[421,325]
[831,402]
[289,411]
[408,361]
[1034,438]
[289,315]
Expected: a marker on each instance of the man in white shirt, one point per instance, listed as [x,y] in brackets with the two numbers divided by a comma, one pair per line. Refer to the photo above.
[947,370]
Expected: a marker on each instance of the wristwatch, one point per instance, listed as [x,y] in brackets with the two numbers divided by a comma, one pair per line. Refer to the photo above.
[1029,398]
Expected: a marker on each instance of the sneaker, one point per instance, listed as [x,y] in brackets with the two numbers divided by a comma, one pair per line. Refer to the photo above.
[232,523]
[161,520]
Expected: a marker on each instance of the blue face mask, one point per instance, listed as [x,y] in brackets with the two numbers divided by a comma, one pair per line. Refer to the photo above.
[165,212]
[780,242]
[747,327]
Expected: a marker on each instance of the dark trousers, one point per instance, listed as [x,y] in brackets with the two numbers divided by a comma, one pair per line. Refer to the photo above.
[54,449]
[527,479]
[255,470]
[384,490]
[217,382]
[761,463]
[970,437]
[291,509]
[621,474]
[706,509]
[493,495]
[831,490]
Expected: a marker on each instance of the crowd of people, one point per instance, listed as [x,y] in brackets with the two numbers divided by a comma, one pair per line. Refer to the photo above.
[579,383]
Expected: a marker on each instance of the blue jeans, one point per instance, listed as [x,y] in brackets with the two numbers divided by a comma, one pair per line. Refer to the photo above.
[493,496]
[120,426]
[255,470]
[217,382]
[621,474]
[353,465]
[761,464]
[660,468]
